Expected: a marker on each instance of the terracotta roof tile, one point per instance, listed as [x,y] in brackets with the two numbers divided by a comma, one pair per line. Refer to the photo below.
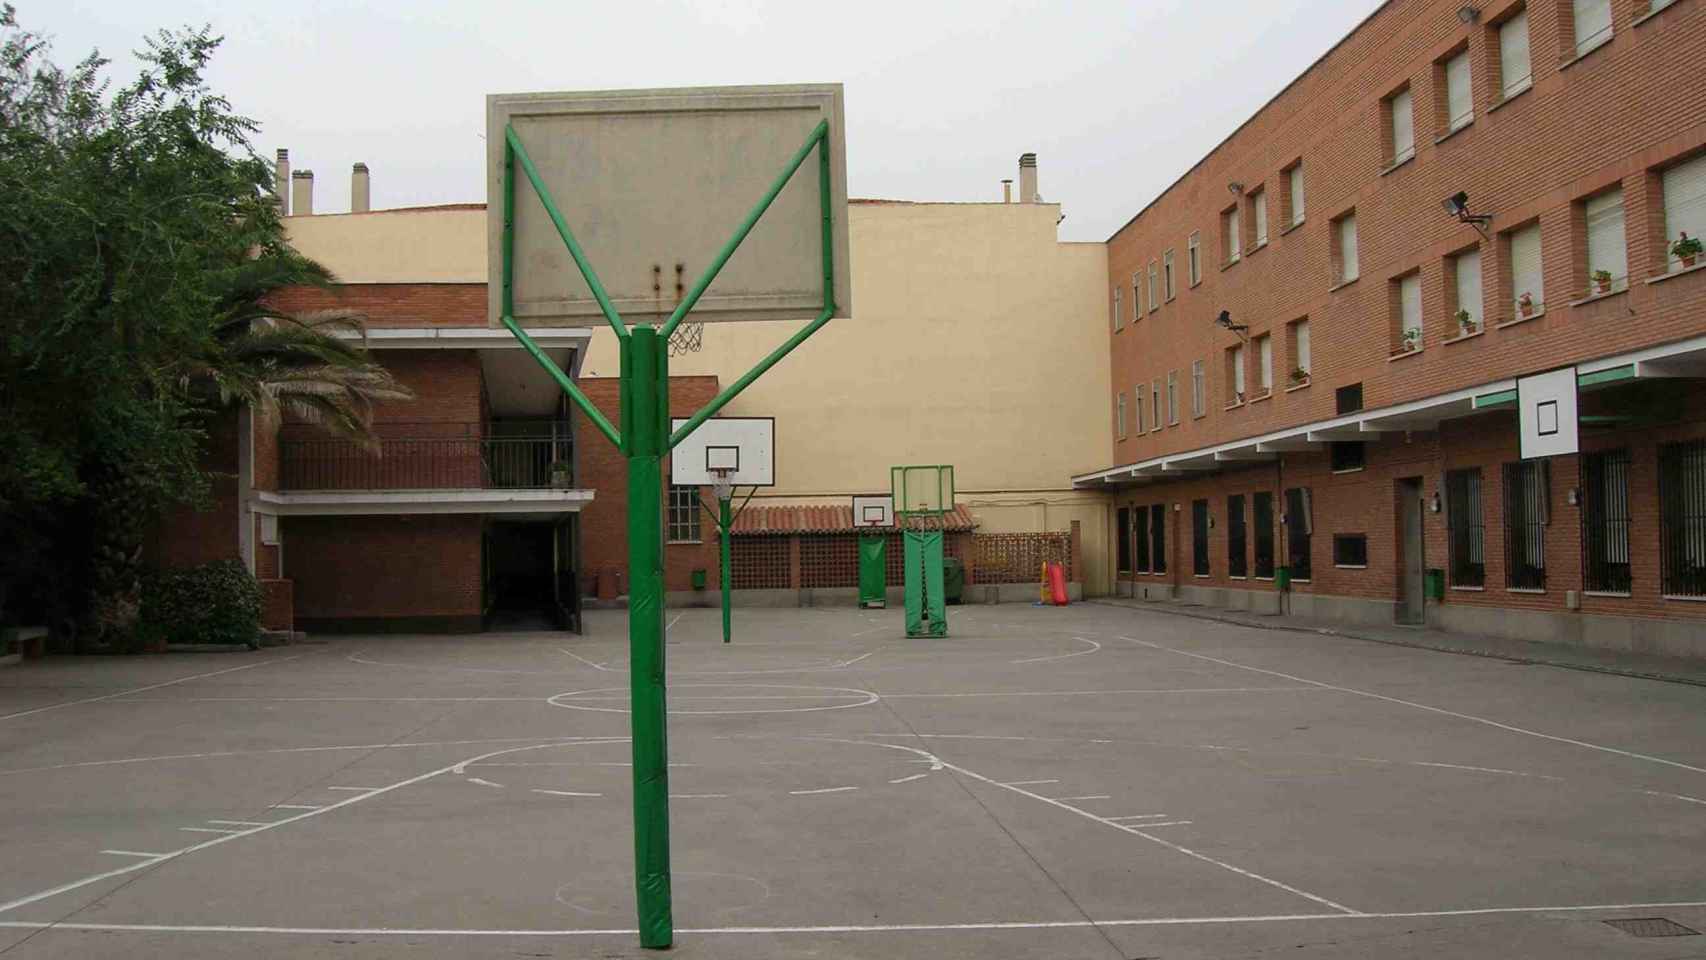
[830,518]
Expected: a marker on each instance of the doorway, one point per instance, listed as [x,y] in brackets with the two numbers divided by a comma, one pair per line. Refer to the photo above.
[1411,556]
[530,575]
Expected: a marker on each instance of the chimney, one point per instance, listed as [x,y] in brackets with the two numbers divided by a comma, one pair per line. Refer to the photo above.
[1007,191]
[359,196]
[281,182]
[302,193]
[1028,178]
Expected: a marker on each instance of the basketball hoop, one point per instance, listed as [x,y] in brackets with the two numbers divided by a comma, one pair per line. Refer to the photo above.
[686,338]
[723,485]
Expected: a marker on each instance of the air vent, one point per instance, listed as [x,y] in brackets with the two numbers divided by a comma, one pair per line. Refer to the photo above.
[1652,927]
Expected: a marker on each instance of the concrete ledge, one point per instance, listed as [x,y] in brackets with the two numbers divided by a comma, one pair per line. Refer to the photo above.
[1265,602]
[1358,610]
[836,597]
[447,623]
[1670,638]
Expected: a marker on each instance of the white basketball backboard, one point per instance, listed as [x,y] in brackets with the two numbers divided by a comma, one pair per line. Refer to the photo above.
[873,511]
[652,180]
[743,446]
[1546,410]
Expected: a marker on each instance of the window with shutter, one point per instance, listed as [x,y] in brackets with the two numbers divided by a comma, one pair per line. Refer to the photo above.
[1154,297]
[1410,312]
[1301,358]
[1229,236]
[1468,270]
[1119,414]
[1515,73]
[1593,24]
[1606,242]
[1199,389]
[1403,127]
[1685,205]
[1348,269]
[1117,320]
[1460,102]
[1265,356]
[1137,410]
[1297,194]
[1194,254]
[1259,211]
[1525,267]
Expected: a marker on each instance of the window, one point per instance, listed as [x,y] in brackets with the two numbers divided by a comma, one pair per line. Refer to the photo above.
[1116,309]
[1154,291]
[1172,398]
[1465,529]
[1235,373]
[1137,409]
[1401,124]
[1141,538]
[1348,399]
[1155,406]
[1605,521]
[1122,548]
[1294,180]
[1259,214]
[1527,496]
[1262,518]
[1231,234]
[1526,276]
[1199,389]
[1348,455]
[1167,288]
[1137,296]
[1300,360]
[1685,205]
[1350,550]
[1119,414]
[1592,22]
[1345,249]
[1409,302]
[1459,96]
[1264,365]
[683,514]
[1466,275]
[1299,524]
[1607,250]
[1682,519]
[1158,537]
[1199,538]
[1193,257]
[1236,534]
[1515,74]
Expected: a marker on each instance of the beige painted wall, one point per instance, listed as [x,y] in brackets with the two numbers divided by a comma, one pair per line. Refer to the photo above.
[416,245]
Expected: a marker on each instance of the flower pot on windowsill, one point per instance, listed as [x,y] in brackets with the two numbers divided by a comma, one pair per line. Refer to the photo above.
[1687,250]
[562,476]
[1601,281]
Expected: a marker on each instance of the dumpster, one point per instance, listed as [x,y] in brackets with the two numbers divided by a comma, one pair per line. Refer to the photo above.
[1433,583]
[953,579]
[699,579]
[1282,579]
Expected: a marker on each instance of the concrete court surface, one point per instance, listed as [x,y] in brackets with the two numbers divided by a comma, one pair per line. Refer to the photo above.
[1089,782]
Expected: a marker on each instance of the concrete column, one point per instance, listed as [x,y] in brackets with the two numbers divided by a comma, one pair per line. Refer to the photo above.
[302,193]
[359,195]
[281,182]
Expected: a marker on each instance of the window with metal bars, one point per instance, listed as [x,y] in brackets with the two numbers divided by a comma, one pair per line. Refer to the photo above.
[1141,516]
[1199,538]
[1527,497]
[1466,529]
[1682,519]
[1605,521]
[1236,565]
[683,514]
[1299,524]
[1262,518]
[1350,550]
[1158,537]
[1123,550]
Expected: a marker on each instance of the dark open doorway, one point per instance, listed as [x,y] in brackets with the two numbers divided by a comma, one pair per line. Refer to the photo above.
[530,575]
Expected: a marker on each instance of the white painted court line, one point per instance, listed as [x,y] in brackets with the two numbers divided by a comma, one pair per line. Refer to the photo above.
[671,623]
[1164,823]
[333,700]
[135,853]
[1675,796]
[595,666]
[1094,796]
[1422,706]
[240,823]
[1027,783]
[847,928]
[567,793]
[849,663]
[168,683]
[294,806]
[354,789]
[808,793]
[916,776]
[1097,693]
[485,783]
[698,796]
[222,754]
[208,830]
[1140,816]
[1094,646]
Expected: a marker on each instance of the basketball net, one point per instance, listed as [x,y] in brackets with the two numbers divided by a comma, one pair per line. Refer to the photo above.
[724,486]
[686,338]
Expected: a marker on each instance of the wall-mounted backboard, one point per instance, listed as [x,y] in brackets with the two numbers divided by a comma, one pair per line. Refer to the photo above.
[744,446]
[873,511]
[649,180]
[1546,412]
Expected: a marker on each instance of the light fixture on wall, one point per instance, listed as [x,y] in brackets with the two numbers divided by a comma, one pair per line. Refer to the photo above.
[1458,206]
[1468,14]
[1225,321]
[1235,188]
[1433,503]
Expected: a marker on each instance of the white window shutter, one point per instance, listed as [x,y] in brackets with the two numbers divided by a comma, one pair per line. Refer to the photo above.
[1297,193]
[1267,360]
[1593,24]
[1259,201]
[1460,104]
[1606,241]
[1685,203]
[1469,284]
[1526,274]
[1238,369]
[1403,127]
[1515,73]
[1410,303]
[1302,360]
[1348,269]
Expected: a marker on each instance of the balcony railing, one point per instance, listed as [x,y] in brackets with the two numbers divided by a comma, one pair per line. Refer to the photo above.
[432,461]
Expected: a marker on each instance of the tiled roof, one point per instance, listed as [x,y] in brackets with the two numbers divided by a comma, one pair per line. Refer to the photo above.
[832,518]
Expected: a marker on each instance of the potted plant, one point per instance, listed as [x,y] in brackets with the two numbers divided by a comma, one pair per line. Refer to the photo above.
[1525,303]
[562,475]
[1687,249]
[1465,323]
[1410,341]
[1299,376]
[1602,281]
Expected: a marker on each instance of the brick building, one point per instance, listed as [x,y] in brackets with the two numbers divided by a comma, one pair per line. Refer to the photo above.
[1314,360]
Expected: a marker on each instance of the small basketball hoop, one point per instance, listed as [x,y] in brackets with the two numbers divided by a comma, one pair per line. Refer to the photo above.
[687,338]
[723,484]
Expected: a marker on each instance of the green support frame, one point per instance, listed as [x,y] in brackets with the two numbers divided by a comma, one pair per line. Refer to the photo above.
[644,439]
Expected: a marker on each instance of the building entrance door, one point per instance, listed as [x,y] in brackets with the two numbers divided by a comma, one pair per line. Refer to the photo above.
[1410,554]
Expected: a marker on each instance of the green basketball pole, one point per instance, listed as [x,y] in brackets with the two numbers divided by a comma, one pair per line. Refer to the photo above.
[643,440]
[724,522]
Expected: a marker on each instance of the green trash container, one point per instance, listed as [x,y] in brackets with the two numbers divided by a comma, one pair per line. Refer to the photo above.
[1433,583]
[953,579]
[1282,579]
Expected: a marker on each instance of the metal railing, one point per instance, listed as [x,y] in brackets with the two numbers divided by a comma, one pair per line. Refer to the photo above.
[437,462]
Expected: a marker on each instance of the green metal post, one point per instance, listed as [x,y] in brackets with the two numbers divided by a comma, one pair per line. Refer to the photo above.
[724,522]
[643,430]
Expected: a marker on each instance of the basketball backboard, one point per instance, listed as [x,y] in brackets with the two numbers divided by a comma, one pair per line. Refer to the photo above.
[1546,412]
[922,489]
[873,511]
[654,183]
[744,447]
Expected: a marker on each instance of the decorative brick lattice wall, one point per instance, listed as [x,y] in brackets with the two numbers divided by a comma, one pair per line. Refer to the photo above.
[1019,557]
[829,560]
[758,563]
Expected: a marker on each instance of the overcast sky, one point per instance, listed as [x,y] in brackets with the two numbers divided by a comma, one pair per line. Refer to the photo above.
[1116,99]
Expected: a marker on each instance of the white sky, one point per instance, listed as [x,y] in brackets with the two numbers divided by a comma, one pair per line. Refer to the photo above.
[1117,99]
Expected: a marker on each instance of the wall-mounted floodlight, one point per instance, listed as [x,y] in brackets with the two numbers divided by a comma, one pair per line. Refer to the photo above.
[1224,321]
[1458,206]
[1235,188]
[1468,14]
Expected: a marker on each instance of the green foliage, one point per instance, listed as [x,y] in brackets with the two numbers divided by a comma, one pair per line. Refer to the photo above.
[218,602]
[1686,247]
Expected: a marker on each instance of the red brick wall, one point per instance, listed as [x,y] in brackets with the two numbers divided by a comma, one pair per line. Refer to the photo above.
[395,304]
[604,522]
[370,568]
[278,605]
[1615,116]
[185,536]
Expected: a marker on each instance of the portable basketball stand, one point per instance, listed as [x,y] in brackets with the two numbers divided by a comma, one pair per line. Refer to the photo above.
[922,493]
[645,436]
[873,517]
[724,453]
